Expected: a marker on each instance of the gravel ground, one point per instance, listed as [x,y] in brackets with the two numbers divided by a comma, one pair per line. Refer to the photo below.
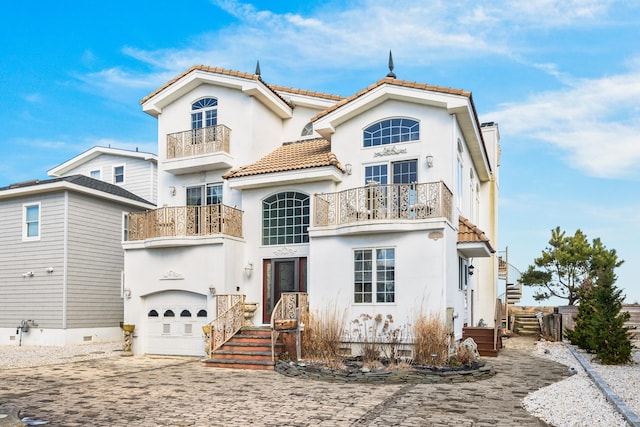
[12,356]
[576,401]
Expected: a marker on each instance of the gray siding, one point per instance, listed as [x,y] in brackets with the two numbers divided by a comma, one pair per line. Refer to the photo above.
[40,297]
[139,175]
[95,262]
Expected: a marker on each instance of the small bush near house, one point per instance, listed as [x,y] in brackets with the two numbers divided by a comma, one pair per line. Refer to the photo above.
[322,335]
[430,340]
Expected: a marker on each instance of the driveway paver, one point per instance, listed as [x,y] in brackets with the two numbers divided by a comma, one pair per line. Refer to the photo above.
[166,391]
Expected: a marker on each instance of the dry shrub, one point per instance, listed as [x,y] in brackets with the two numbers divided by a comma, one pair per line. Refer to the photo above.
[322,335]
[430,340]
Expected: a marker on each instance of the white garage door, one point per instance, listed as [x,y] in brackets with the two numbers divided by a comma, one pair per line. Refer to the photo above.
[174,323]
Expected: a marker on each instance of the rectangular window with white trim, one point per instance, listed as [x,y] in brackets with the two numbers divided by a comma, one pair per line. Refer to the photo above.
[374,276]
[31,222]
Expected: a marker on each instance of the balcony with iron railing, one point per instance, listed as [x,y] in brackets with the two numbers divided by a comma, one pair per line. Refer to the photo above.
[376,203]
[184,221]
[198,150]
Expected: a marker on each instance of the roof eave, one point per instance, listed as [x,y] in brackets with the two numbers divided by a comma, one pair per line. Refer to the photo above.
[195,77]
[298,176]
[65,185]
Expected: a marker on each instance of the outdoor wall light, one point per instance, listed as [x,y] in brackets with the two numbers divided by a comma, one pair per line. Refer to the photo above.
[127,293]
[349,168]
[248,269]
[172,191]
[28,274]
[471,269]
[212,291]
[429,161]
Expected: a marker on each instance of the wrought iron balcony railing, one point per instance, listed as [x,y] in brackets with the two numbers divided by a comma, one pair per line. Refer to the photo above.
[197,142]
[383,202]
[179,221]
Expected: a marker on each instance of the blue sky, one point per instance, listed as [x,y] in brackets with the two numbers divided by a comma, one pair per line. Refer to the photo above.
[561,77]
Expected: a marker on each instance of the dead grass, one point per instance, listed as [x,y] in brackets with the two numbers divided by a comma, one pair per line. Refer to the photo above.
[322,335]
[431,341]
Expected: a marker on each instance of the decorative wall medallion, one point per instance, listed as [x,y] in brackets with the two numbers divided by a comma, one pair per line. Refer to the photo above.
[285,252]
[435,235]
[390,151]
[171,275]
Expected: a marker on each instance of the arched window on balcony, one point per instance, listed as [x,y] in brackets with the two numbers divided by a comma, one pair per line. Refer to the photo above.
[391,131]
[204,113]
[285,218]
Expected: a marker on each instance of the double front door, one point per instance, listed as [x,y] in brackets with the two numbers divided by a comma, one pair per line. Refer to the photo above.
[281,275]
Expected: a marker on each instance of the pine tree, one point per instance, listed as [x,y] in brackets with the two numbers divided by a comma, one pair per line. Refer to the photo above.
[599,322]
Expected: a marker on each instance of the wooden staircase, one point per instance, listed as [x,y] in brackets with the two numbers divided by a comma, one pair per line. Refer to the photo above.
[250,348]
[483,338]
[526,324]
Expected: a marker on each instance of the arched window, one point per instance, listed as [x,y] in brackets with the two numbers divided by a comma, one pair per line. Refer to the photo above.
[307,130]
[204,113]
[169,313]
[185,313]
[202,313]
[391,131]
[152,313]
[285,219]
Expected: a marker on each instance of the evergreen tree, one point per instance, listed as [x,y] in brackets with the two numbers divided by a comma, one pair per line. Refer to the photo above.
[599,322]
[566,264]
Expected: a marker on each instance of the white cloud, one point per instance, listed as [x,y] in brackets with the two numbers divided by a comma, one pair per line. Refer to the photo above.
[596,123]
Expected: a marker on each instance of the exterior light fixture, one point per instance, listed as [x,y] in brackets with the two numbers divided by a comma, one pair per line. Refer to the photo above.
[172,191]
[349,168]
[429,161]
[212,291]
[127,293]
[248,269]
[49,269]
[471,269]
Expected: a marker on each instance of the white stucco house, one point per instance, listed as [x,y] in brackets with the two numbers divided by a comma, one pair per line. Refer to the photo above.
[375,203]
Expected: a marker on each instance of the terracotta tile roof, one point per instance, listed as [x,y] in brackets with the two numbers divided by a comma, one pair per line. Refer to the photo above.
[215,70]
[305,92]
[470,233]
[305,154]
[395,82]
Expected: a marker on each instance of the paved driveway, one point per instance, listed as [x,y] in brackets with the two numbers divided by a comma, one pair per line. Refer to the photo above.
[163,391]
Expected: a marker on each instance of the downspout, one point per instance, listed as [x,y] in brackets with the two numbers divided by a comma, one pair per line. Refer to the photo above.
[65,250]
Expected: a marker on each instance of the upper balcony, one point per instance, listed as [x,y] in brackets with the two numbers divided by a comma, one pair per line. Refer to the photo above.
[383,203]
[198,150]
[184,221]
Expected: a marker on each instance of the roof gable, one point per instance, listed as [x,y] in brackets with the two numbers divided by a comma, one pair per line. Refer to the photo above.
[95,152]
[251,84]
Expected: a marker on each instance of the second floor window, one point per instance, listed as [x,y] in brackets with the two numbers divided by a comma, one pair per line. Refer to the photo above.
[204,113]
[204,195]
[285,219]
[391,131]
[118,174]
[31,222]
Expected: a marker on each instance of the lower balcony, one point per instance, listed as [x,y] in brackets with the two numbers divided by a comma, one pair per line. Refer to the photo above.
[383,203]
[184,221]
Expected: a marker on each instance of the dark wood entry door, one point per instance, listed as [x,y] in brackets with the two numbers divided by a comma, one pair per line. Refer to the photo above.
[281,275]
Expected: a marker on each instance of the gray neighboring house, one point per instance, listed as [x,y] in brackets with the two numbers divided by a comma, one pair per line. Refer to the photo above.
[135,171]
[61,259]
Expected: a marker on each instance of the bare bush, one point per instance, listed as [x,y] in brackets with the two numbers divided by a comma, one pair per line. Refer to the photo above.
[322,335]
[430,340]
